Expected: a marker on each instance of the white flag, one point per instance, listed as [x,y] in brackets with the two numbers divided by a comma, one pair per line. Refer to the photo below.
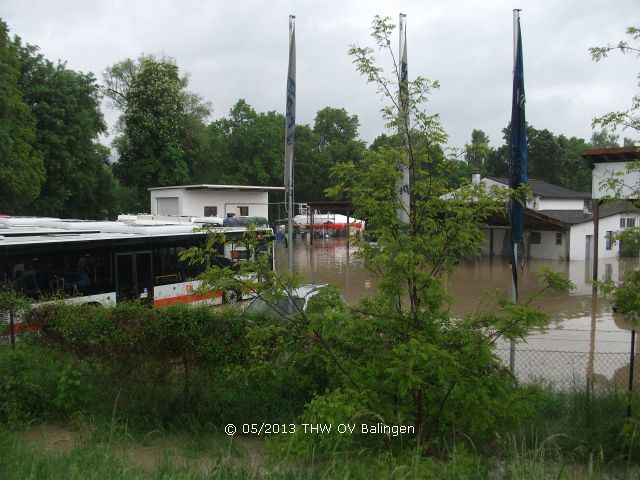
[291,107]
[403,185]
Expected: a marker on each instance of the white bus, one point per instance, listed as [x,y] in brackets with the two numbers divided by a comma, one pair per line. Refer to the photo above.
[107,262]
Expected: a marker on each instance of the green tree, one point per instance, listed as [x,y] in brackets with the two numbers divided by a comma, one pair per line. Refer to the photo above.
[497,162]
[604,139]
[310,178]
[247,147]
[575,173]
[402,355]
[554,159]
[150,148]
[66,106]
[332,139]
[477,151]
[21,165]
[162,138]
[383,140]
[544,155]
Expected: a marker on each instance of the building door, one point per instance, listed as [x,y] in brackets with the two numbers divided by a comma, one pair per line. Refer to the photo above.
[588,252]
[134,277]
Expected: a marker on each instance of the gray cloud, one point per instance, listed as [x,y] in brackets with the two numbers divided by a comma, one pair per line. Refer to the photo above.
[238,50]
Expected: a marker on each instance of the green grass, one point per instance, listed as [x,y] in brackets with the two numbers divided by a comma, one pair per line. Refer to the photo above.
[124,429]
[106,454]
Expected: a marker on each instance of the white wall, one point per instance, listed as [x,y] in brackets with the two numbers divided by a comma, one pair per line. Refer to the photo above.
[573,246]
[547,248]
[192,202]
[580,231]
[603,171]
[227,201]
[559,204]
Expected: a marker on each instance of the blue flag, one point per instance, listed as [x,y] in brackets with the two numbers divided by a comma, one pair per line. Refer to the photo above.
[517,145]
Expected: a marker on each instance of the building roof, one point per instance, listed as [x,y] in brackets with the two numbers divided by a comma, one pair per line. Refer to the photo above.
[570,217]
[544,189]
[606,155]
[533,220]
[221,187]
[573,217]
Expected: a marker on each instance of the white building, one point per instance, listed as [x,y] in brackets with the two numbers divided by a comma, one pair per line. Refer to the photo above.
[559,224]
[615,164]
[212,200]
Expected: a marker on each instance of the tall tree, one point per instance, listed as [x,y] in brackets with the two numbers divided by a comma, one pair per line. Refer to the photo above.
[554,159]
[310,179]
[21,165]
[150,148]
[248,147]
[405,342]
[544,155]
[604,139]
[477,151]
[66,106]
[336,137]
[162,138]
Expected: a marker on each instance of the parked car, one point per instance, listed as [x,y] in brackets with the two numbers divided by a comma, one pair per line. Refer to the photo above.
[286,305]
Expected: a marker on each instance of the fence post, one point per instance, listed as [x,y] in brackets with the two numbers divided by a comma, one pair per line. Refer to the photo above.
[633,344]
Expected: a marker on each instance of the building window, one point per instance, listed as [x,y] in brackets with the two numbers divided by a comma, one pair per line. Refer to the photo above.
[627,222]
[558,238]
[608,240]
[243,211]
[535,238]
[210,211]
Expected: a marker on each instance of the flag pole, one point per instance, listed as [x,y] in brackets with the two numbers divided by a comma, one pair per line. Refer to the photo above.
[289,138]
[517,166]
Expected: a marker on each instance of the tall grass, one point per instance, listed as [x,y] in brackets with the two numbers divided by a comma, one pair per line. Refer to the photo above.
[101,459]
[582,423]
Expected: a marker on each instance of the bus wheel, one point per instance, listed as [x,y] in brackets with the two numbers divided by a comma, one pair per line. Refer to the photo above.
[231,297]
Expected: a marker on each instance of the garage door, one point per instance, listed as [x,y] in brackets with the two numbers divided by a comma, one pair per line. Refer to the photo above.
[168,206]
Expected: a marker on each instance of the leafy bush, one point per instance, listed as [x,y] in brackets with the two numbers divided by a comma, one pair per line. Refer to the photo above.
[35,384]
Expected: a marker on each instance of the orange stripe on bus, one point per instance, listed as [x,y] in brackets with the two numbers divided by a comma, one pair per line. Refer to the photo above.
[163,302]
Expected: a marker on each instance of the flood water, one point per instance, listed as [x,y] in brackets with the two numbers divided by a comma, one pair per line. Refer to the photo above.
[583,335]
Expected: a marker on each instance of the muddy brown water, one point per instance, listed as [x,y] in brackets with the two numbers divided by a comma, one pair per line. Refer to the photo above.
[582,336]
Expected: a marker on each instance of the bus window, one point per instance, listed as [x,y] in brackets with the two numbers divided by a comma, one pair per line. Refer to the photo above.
[133,275]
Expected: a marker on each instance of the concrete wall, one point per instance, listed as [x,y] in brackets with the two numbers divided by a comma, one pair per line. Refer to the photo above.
[192,202]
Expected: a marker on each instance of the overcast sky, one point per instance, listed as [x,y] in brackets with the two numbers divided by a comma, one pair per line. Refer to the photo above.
[238,49]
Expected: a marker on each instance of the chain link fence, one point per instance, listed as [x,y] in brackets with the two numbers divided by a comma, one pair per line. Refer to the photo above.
[566,370]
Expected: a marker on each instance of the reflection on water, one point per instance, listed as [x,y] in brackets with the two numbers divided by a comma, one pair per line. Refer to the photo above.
[579,323]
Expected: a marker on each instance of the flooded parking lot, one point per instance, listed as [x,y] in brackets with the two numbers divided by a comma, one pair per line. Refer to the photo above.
[583,335]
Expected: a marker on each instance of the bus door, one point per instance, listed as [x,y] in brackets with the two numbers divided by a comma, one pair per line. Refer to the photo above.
[134,276]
